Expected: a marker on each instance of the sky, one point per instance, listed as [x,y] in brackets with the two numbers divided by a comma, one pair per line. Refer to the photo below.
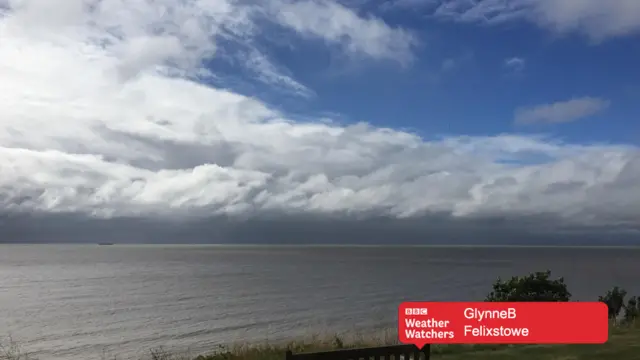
[392,121]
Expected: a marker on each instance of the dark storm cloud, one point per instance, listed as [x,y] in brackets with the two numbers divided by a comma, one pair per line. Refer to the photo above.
[435,229]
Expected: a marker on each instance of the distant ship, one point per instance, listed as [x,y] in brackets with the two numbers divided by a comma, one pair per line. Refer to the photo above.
[105,243]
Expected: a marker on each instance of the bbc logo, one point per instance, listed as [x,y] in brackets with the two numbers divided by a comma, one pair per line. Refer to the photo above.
[416,311]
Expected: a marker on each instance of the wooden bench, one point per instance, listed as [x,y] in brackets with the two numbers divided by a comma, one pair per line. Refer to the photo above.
[408,352]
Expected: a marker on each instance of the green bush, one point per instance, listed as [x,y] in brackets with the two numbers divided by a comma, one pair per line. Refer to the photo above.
[614,299]
[632,309]
[537,286]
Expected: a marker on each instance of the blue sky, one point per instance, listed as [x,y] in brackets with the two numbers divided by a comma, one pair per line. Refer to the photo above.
[459,81]
[435,115]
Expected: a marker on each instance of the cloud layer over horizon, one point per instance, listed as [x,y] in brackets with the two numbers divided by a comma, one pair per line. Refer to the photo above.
[106,112]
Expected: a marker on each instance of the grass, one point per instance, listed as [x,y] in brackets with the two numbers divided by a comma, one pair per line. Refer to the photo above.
[12,351]
[623,344]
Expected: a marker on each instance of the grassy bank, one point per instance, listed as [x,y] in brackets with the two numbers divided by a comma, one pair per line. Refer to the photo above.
[623,344]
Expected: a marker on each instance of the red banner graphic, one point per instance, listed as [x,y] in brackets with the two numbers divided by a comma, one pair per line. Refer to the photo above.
[422,323]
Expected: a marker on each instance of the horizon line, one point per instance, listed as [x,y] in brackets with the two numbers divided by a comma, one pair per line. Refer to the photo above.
[626,246]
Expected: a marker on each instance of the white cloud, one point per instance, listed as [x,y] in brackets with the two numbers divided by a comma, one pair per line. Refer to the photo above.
[515,64]
[338,24]
[76,138]
[596,19]
[269,73]
[561,111]
[177,35]
[404,4]
[454,63]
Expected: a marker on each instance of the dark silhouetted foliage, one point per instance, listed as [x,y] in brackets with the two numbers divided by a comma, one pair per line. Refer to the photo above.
[614,299]
[632,310]
[534,287]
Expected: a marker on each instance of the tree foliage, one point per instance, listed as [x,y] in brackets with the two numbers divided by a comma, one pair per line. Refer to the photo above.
[614,299]
[632,310]
[537,286]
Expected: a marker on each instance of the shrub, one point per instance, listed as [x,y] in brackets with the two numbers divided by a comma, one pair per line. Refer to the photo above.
[632,310]
[614,299]
[12,351]
[537,286]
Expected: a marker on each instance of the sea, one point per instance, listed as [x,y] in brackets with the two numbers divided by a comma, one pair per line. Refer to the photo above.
[119,301]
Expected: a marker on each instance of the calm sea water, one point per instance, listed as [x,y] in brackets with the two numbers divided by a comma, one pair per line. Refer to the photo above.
[84,301]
